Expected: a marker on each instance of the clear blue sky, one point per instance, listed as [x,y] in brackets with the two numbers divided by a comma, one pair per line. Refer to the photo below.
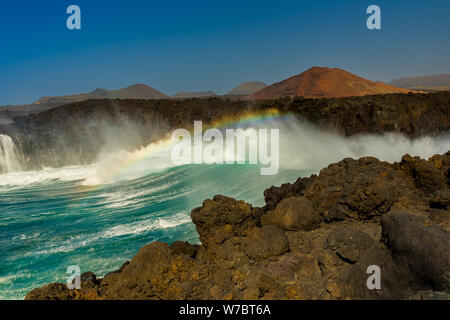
[211,45]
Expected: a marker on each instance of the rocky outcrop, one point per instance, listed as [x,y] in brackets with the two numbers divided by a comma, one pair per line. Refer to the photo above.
[315,239]
[294,214]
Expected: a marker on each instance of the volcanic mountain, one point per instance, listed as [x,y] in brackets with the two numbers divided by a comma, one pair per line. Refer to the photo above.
[247,88]
[136,91]
[320,82]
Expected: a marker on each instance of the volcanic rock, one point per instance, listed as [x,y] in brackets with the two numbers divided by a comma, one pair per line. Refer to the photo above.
[294,213]
[266,242]
[349,244]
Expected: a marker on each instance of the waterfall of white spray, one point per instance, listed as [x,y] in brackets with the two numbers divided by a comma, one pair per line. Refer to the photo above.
[9,158]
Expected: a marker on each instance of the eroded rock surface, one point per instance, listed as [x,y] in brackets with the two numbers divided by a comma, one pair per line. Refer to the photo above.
[314,239]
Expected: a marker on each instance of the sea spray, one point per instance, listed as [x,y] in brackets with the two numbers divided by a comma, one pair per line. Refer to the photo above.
[303,146]
[9,155]
[214,147]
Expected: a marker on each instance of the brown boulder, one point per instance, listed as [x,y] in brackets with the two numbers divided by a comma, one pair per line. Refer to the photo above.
[266,242]
[414,255]
[428,178]
[293,276]
[273,195]
[421,245]
[349,244]
[221,218]
[360,189]
[295,213]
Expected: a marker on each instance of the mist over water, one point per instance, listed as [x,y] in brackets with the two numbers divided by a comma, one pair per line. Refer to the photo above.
[302,146]
[98,216]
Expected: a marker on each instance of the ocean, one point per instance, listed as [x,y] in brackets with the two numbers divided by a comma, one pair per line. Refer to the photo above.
[98,216]
[51,221]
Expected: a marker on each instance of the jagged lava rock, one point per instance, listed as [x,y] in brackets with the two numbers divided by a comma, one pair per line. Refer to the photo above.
[293,213]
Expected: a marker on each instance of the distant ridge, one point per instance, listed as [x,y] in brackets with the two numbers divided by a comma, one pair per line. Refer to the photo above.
[247,88]
[201,94]
[136,91]
[322,82]
[430,82]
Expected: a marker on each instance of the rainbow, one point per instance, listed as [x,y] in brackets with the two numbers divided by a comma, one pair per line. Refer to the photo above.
[114,169]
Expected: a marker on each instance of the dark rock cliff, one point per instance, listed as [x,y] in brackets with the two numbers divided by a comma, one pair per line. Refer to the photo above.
[77,133]
[314,239]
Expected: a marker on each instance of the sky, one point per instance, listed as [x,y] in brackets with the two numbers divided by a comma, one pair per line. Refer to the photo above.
[211,45]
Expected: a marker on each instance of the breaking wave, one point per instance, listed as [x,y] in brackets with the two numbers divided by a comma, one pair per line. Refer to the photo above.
[98,216]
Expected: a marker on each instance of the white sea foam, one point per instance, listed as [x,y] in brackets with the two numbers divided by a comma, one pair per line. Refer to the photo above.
[48,174]
[139,227]
[11,278]
[132,228]
[124,165]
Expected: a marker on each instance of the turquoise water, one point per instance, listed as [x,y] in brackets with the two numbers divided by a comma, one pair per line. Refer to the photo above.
[51,219]
[98,216]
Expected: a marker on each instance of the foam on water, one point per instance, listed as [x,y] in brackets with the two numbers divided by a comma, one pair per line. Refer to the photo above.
[46,226]
[25,178]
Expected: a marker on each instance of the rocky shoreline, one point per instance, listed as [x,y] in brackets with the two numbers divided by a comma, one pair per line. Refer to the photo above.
[314,239]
